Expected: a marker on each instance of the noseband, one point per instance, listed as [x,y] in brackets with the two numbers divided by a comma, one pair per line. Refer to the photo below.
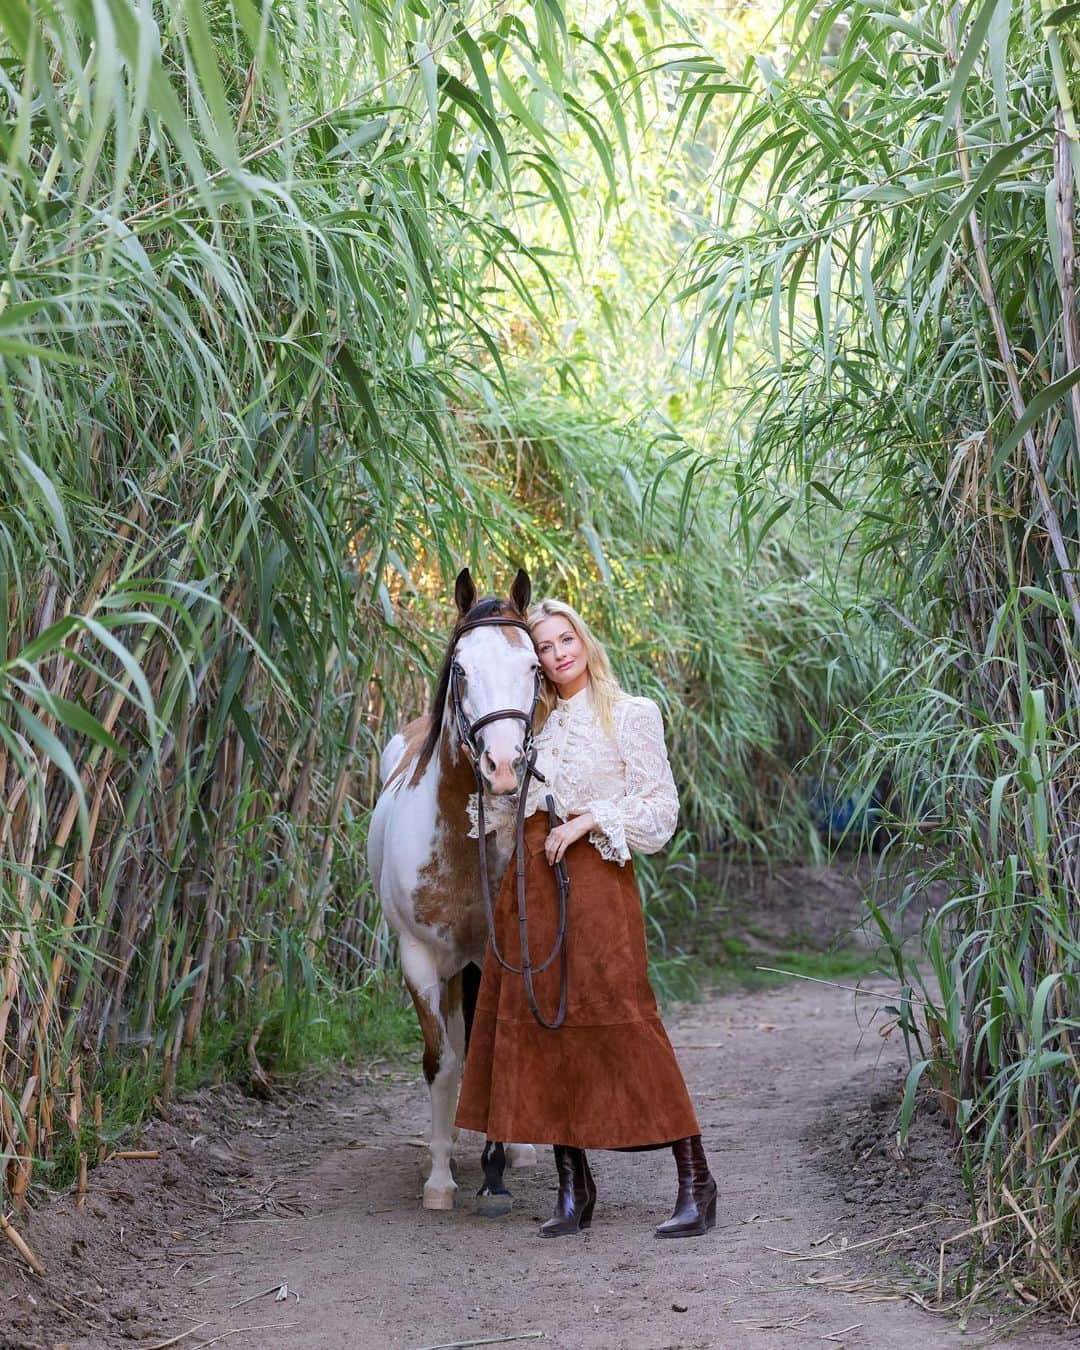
[467,734]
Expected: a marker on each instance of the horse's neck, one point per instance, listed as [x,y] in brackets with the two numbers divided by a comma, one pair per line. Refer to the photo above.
[451,777]
[451,781]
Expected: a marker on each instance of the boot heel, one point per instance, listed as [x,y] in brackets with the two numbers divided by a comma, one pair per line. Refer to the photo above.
[586,1213]
[710,1214]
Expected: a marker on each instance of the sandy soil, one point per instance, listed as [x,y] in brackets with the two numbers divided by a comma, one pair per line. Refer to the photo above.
[297,1222]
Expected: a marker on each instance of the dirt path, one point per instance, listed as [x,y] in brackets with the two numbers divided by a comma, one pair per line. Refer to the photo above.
[322,1194]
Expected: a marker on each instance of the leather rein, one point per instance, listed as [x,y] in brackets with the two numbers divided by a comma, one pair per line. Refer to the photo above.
[467,733]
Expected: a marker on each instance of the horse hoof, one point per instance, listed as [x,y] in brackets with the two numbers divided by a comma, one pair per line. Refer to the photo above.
[494,1206]
[439,1197]
[521,1155]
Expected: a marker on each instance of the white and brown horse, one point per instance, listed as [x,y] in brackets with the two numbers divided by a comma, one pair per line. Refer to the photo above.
[425,868]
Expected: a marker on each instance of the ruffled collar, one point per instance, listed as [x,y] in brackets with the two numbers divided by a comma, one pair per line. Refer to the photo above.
[575,703]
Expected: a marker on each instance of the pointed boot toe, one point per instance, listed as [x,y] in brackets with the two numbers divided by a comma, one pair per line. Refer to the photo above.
[693,1219]
[576,1197]
[695,1206]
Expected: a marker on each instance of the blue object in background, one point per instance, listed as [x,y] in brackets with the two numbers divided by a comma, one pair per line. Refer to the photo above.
[851,816]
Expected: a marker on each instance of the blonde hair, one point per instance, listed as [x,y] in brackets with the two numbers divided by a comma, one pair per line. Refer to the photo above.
[603,688]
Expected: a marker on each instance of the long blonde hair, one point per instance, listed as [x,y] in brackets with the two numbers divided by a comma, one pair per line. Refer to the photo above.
[603,689]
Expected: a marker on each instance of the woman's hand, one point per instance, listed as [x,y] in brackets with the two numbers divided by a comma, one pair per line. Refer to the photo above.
[569,832]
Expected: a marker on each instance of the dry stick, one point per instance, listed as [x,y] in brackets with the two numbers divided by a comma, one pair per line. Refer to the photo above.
[18,1242]
[80,1190]
[146,1154]
[237,1331]
[75,1111]
[851,988]
[487,1340]
[175,1340]
[271,1289]
[21,1163]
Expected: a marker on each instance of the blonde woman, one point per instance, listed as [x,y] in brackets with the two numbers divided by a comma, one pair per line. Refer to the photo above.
[608,1077]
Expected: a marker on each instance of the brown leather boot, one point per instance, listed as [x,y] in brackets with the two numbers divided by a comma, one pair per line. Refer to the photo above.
[695,1207]
[577,1193]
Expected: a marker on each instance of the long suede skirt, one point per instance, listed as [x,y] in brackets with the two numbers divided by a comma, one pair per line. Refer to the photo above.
[608,1077]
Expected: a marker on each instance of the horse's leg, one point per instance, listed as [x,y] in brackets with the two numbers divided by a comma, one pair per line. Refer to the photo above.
[455,1026]
[441,1068]
[521,1155]
[493,1200]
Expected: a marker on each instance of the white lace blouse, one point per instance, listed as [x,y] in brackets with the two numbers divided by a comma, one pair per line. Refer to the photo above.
[624,780]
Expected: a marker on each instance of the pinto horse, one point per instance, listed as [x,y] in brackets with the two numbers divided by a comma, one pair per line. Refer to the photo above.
[425,868]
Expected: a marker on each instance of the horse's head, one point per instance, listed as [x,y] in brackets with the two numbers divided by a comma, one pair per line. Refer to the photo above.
[493,681]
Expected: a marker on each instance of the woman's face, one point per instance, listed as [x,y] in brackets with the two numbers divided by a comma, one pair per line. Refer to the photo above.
[562,655]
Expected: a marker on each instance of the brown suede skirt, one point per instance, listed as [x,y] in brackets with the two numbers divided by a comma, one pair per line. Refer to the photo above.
[608,1077]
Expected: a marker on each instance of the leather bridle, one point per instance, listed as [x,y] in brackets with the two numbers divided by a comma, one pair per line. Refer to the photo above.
[467,735]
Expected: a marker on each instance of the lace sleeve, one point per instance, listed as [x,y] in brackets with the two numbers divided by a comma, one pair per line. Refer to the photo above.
[646,816]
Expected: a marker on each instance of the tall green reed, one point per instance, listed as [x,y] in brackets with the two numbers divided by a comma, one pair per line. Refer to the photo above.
[907,275]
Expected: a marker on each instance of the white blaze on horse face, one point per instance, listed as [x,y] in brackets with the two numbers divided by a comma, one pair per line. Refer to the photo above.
[500,667]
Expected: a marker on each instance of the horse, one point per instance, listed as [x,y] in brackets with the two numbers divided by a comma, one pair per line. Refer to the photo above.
[424,866]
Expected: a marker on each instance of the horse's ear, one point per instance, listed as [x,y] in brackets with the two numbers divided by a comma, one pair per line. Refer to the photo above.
[464,591]
[521,591]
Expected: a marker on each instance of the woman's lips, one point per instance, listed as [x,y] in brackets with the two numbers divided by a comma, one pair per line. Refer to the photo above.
[565,665]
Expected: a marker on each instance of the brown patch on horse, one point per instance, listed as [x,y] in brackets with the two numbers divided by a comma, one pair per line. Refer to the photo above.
[431,1028]
[448,891]
[515,636]
[432,1024]
[415,733]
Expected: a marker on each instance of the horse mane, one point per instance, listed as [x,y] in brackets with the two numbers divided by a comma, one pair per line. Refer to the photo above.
[489,607]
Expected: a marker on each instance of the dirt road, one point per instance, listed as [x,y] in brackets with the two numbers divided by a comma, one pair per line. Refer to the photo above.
[320,1195]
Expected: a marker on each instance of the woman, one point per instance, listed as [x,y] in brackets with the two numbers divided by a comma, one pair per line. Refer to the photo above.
[608,1077]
